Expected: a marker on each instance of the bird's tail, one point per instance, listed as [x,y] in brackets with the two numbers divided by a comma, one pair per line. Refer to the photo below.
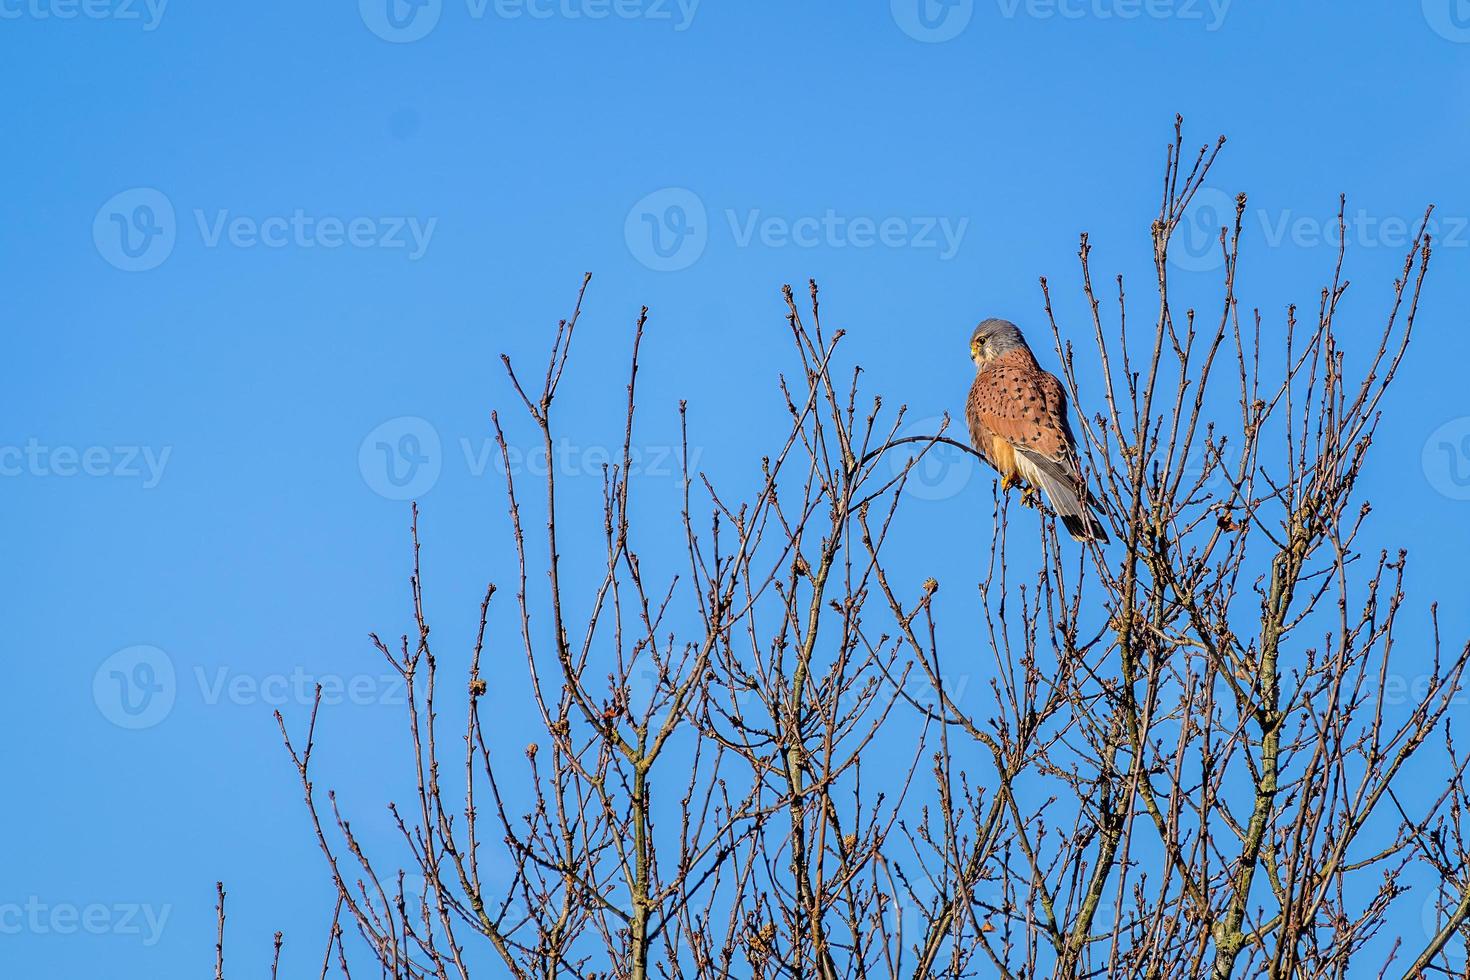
[1066,495]
[1084,527]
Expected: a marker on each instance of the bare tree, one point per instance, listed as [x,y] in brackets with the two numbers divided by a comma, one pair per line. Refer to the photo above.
[752,765]
[1217,748]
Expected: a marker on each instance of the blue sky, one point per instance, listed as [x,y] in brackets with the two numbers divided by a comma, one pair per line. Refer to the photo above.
[248,246]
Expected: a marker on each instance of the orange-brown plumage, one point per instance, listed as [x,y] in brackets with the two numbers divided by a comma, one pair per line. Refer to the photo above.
[1017,413]
[1014,399]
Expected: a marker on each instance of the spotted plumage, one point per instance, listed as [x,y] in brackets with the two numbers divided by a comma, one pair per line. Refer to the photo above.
[1018,421]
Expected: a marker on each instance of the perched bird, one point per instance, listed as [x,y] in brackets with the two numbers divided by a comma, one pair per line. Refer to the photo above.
[1018,422]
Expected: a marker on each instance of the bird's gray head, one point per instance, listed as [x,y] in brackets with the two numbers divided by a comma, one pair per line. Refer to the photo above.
[993,338]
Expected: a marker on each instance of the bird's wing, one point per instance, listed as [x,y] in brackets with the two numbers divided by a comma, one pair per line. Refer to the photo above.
[1011,400]
[1026,408]
[1016,403]
[1059,457]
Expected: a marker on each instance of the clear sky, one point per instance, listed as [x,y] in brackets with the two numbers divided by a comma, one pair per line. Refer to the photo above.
[258,262]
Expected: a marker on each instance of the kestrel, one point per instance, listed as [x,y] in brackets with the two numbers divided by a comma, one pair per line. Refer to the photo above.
[1018,422]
